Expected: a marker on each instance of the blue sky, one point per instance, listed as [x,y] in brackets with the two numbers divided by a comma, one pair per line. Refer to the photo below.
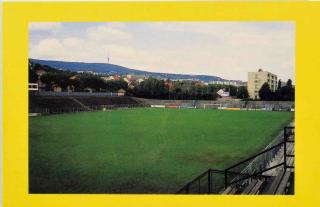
[225,49]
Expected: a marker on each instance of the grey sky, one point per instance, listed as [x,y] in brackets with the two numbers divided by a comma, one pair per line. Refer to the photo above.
[225,49]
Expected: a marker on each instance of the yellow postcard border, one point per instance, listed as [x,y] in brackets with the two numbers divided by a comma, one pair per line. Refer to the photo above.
[17,15]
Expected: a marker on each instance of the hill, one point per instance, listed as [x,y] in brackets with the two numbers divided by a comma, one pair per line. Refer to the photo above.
[112,69]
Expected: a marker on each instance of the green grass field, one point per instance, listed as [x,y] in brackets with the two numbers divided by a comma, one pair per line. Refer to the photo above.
[141,150]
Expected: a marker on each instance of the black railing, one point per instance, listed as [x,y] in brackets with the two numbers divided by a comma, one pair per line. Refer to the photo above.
[260,163]
[210,182]
[252,166]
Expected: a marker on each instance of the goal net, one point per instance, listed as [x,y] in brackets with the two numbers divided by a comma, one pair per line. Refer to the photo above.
[212,106]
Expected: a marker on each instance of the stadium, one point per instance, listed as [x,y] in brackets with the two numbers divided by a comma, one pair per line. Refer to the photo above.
[105,143]
[162,108]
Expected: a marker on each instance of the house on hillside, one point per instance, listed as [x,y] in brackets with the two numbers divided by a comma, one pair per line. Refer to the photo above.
[56,88]
[132,84]
[121,92]
[126,80]
[74,77]
[111,77]
[134,80]
[138,78]
[223,93]
[40,72]
[116,77]
[107,78]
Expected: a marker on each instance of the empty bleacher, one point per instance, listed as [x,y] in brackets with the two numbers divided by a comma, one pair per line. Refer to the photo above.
[95,101]
[37,102]
[268,172]
[65,104]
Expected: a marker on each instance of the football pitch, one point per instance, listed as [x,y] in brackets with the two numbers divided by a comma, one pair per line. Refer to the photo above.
[141,150]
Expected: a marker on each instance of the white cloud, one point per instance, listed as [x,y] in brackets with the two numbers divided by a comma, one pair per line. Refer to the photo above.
[73,42]
[106,33]
[44,26]
[228,50]
[79,49]
[47,48]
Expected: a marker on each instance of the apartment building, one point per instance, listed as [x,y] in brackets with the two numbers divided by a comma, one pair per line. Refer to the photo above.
[257,79]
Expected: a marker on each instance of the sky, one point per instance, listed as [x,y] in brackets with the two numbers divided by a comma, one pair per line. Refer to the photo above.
[226,49]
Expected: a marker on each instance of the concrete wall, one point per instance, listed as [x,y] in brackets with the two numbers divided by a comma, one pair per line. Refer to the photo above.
[224,103]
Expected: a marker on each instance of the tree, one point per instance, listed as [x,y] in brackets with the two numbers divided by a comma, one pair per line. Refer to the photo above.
[232,90]
[33,77]
[243,92]
[48,79]
[115,85]
[289,83]
[151,88]
[279,85]
[89,81]
[265,93]
[286,92]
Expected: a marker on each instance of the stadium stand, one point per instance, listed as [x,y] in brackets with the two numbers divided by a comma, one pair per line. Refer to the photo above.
[47,103]
[50,102]
[65,104]
[268,172]
[96,101]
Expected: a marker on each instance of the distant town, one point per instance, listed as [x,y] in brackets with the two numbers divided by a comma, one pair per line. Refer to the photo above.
[121,81]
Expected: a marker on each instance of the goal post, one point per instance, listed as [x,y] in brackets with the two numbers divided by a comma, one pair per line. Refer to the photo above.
[212,106]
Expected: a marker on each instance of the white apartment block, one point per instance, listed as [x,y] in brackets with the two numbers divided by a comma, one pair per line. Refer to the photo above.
[257,79]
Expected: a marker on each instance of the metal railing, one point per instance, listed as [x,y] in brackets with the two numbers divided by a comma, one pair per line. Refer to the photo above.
[253,166]
[209,182]
[240,173]
[260,163]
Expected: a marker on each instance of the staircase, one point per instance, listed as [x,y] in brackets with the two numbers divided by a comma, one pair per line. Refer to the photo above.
[81,104]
